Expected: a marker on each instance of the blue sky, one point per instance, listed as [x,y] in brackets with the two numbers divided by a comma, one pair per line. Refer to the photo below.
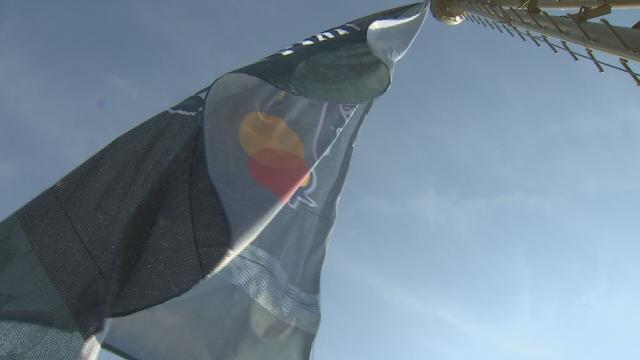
[491,207]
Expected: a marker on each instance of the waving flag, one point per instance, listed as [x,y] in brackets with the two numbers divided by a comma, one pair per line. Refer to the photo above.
[201,233]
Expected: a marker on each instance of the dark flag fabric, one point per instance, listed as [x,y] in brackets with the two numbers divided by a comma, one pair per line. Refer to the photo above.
[201,233]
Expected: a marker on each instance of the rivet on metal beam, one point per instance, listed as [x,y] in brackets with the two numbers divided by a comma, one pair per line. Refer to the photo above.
[566,47]
[615,34]
[534,20]
[554,23]
[633,75]
[509,31]
[519,34]
[577,22]
[595,62]
[517,15]
[546,40]
[532,5]
[586,13]
[533,39]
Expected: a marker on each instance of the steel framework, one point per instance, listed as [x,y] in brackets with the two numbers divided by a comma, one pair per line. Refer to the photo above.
[521,18]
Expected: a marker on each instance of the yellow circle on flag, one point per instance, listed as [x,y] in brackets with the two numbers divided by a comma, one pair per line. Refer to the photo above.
[260,132]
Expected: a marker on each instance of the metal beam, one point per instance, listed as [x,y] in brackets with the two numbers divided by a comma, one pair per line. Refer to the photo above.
[620,41]
[569,4]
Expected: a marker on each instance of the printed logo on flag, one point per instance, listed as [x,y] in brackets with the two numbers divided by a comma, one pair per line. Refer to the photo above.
[277,153]
[328,129]
[315,39]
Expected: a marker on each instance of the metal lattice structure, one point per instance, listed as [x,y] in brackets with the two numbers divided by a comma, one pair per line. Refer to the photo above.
[528,19]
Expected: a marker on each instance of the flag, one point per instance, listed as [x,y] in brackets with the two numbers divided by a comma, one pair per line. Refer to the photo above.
[200,234]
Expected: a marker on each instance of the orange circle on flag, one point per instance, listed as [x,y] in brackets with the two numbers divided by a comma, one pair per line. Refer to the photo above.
[276,153]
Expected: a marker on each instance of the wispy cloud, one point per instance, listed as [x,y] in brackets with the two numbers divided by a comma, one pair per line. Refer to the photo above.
[436,315]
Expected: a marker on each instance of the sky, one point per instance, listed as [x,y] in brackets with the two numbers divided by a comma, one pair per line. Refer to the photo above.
[491,207]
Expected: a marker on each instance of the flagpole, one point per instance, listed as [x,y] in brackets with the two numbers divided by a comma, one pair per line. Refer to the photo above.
[570,4]
[522,18]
